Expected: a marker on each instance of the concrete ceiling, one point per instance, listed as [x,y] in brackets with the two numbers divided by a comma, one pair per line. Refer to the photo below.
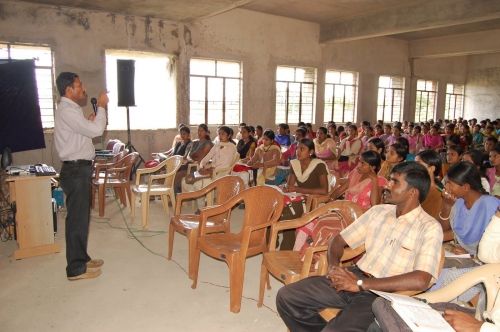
[339,19]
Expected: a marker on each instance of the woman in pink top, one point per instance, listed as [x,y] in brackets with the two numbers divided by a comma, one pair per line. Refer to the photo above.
[433,140]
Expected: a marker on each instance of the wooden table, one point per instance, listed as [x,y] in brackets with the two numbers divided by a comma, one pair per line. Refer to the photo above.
[34,217]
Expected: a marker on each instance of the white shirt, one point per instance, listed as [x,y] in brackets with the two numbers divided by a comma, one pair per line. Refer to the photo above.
[489,246]
[73,133]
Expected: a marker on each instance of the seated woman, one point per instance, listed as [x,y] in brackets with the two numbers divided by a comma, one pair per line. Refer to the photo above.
[282,137]
[363,187]
[220,156]
[325,148]
[195,153]
[246,148]
[291,152]
[465,214]
[453,156]
[479,159]
[377,145]
[433,139]
[180,147]
[308,175]
[415,140]
[395,154]
[431,160]
[350,147]
[266,158]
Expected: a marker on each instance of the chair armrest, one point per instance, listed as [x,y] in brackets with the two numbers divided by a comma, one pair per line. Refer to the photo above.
[308,257]
[351,253]
[487,274]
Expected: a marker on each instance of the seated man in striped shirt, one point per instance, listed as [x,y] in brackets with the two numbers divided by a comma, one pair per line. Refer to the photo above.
[403,249]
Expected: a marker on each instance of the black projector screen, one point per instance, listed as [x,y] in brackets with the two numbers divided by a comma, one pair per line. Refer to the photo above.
[20,121]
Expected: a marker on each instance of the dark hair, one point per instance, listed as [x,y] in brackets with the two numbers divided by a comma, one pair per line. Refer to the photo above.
[379,144]
[309,144]
[372,158]
[353,126]
[492,139]
[478,158]
[401,150]
[301,124]
[323,129]
[302,130]
[283,126]
[416,176]
[251,129]
[455,139]
[269,134]
[496,148]
[243,124]
[404,142]
[259,127]
[185,129]
[457,148]
[418,128]
[340,129]
[227,130]
[365,123]
[431,158]
[64,80]
[465,172]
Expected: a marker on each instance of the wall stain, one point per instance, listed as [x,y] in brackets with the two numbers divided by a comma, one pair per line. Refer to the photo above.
[75,18]
[130,21]
[113,17]
[175,33]
[148,30]
[187,36]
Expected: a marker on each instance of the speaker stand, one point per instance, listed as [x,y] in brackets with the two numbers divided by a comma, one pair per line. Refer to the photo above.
[130,146]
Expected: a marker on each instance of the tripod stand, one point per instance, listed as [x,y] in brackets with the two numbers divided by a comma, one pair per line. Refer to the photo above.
[130,146]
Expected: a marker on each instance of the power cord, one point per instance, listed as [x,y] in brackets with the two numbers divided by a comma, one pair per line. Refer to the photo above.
[132,235]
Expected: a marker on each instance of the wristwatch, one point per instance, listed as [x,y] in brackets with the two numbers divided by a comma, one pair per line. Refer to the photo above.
[359,282]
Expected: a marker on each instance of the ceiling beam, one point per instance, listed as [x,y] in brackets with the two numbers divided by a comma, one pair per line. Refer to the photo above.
[236,4]
[427,15]
[481,42]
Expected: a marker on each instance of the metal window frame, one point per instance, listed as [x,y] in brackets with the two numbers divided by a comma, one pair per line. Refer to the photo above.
[355,88]
[384,105]
[224,78]
[454,108]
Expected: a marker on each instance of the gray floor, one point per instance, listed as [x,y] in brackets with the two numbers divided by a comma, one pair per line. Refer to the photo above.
[139,290]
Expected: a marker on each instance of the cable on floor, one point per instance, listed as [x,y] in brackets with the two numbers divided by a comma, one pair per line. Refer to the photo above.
[133,236]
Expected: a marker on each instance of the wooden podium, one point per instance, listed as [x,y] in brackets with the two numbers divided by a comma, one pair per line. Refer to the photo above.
[34,220]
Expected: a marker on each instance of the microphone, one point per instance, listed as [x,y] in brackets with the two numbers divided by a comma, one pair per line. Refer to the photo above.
[94,104]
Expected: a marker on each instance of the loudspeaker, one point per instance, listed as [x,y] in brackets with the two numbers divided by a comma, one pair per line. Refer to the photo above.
[125,78]
[6,158]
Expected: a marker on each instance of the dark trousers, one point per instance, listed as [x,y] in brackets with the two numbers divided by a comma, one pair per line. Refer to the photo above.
[299,304]
[75,182]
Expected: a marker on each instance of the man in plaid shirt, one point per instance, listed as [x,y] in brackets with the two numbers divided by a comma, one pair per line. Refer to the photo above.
[403,249]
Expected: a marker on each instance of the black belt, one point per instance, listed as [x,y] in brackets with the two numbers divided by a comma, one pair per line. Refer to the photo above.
[78,162]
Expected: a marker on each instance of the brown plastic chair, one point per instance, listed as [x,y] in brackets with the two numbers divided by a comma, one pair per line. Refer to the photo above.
[287,265]
[263,207]
[337,189]
[160,183]
[225,188]
[113,175]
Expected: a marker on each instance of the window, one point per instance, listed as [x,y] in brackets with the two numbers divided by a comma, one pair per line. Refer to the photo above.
[390,98]
[340,96]
[426,100]
[295,94]
[43,73]
[215,92]
[154,92]
[454,107]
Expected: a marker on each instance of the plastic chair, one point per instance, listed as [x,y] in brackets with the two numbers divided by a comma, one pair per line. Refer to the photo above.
[287,265]
[159,183]
[263,207]
[488,275]
[113,175]
[225,188]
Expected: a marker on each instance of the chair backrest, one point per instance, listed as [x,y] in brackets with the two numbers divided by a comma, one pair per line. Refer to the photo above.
[172,164]
[129,161]
[227,187]
[263,204]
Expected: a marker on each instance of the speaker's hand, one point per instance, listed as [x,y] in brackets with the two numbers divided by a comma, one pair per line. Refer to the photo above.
[103,100]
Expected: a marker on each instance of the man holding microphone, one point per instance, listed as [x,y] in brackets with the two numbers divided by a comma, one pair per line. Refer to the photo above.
[73,135]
